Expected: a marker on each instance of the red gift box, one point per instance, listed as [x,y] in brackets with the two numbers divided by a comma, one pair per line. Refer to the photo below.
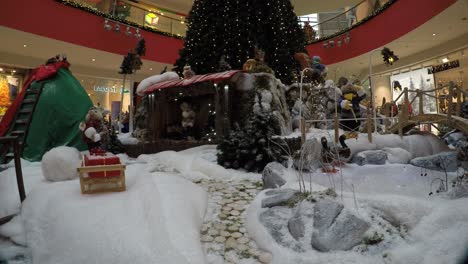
[107,159]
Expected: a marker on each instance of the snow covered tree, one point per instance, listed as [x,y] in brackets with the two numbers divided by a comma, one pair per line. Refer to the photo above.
[234,28]
[250,147]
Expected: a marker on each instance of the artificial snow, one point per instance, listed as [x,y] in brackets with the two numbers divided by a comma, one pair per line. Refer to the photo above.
[127,139]
[416,145]
[146,83]
[191,166]
[60,164]
[156,220]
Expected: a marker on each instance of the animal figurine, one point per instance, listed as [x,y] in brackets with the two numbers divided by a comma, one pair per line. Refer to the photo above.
[249,65]
[188,73]
[331,157]
[94,130]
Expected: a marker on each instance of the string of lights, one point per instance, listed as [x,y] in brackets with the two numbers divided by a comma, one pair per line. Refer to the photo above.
[110,17]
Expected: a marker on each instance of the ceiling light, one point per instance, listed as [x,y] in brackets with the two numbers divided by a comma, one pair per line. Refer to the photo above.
[128,33]
[433,34]
[117,28]
[25,45]
[151,69]
[445,60]
[93,59]
[13,71]
[107,26]
[1,69]
[388,57]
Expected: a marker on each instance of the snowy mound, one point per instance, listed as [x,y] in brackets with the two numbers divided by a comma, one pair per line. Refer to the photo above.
[127,139]
[59,164]
[156,220]
[167,76]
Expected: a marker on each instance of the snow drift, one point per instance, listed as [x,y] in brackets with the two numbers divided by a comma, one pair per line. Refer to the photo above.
[156,220]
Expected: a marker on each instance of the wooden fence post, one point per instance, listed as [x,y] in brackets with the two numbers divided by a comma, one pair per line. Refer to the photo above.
[450,103]
[303,131]
[404,113]
[369,125]
[420,95]
[337,131]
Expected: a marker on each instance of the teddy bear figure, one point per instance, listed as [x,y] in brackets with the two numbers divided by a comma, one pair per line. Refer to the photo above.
[188,115]
[188,72]
[94,130]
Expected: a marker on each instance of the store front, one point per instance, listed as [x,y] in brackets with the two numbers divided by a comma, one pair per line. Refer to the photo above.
[449,73]
[106,93]
[11,83]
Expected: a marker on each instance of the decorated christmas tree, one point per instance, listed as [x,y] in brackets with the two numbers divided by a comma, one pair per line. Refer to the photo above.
[4,96]
[237,29]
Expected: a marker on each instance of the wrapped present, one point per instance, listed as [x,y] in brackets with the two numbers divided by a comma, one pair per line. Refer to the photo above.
[107,159]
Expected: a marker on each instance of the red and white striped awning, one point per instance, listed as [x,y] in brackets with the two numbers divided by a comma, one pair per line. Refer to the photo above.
[213,77]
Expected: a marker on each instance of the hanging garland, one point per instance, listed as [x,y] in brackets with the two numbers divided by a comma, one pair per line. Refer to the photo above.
[369,17]
[96,12]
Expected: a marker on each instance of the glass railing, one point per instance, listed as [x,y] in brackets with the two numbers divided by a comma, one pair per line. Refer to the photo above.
[325,26]
[134,14]
[319,27]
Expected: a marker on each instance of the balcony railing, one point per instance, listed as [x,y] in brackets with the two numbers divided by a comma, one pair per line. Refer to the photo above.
[325,25]
[134,14]
[330,25]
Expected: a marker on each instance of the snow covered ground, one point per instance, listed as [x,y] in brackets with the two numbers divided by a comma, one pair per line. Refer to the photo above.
[158,218]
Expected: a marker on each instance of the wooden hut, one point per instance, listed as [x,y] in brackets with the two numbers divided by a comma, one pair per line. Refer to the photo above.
[208,97]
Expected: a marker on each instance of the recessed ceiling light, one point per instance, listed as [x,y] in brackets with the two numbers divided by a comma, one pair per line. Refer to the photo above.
[433,34]
[151,69]
[445,60]
[1,69]
[13,71]
[93,59]
[25,45]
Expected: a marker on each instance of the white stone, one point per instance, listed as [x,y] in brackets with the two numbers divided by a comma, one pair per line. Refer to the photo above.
[213,232]
[206,238]
[220,239]
[265,257]
[230,243]
[242,247]
[225,233]
[243,240]
[242,230]
[236,235]
[239,207]
[233,228]
[235,212]
[220,226]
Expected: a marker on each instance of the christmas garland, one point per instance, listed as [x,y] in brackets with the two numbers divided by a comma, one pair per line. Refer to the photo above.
[96,12]
[374,14]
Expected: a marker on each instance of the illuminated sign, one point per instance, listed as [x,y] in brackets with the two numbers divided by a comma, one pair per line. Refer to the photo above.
[103,89]
[443,67]
[151,19]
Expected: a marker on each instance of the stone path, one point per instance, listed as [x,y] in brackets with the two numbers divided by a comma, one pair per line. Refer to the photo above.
[223,233]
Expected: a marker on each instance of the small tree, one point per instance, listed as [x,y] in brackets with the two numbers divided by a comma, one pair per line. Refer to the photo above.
[251,146]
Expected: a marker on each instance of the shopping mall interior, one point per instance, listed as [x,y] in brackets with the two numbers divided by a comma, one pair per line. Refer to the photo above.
[234,131]
[434,35]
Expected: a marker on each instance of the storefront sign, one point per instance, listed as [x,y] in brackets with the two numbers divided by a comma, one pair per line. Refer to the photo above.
[443,67]
[103,89]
